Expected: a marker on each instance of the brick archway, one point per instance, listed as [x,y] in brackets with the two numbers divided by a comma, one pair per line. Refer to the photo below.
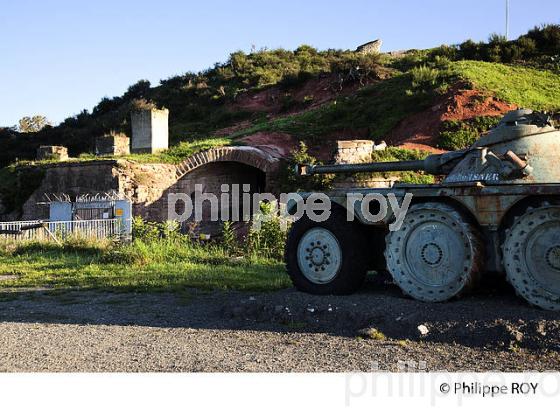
[251,156]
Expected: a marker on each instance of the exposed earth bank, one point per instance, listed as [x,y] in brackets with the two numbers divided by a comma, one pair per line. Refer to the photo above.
[45,330]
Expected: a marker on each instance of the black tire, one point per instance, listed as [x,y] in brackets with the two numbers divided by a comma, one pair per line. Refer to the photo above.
[352,268]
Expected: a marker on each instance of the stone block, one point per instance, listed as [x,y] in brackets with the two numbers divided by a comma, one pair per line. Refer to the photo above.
[150,130]
[112,144]
[52,152]
[353,151]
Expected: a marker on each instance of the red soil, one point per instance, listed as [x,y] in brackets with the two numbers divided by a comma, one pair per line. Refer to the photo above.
[421,130]
[320,90]
[317,91]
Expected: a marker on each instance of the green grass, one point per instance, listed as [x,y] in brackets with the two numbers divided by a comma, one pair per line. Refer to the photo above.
[525,87]
[155,266]
[173,155]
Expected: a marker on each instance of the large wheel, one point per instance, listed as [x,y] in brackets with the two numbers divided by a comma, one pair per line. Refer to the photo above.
[436,254]
[532,256]
[326,257]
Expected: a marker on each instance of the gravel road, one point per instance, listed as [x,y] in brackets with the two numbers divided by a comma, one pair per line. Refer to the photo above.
[46,330]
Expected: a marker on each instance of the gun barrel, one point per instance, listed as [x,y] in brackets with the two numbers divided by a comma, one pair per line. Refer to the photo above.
[368,167]
[436,164]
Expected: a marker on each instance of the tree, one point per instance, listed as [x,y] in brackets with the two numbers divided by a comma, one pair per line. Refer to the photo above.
[33,124]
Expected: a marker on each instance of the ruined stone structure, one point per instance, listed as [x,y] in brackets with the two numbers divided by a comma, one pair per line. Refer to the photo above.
[150,130]
[112,144]
[355,152]
[52,152]
[148,185]
[372,47]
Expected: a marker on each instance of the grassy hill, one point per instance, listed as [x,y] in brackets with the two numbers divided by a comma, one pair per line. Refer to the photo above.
[313,94]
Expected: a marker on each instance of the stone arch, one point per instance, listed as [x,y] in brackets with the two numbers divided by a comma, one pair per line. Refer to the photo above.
[234,165]
[251,156]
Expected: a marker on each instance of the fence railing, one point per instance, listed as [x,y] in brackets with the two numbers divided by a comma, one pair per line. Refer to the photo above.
[119,229]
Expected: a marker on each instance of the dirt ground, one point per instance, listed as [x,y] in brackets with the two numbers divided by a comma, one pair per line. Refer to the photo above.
[284,331]
[419,131]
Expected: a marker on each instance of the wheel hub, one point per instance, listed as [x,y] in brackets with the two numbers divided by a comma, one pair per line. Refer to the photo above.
[319,255]
[432,253]
[553,257]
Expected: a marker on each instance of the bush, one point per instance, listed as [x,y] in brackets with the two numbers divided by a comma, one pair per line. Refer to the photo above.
[290,180]
[424,78]
[546,38]
[17,183]
[266,238]
[456,135]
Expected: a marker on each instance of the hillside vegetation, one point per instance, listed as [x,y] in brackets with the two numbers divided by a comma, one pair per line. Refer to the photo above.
[526,87]
[367,95]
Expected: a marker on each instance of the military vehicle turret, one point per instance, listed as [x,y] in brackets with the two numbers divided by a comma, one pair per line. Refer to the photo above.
[497,209]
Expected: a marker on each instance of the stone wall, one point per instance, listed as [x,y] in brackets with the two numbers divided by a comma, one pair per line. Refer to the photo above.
[144,184]
[147,185]
[72,179]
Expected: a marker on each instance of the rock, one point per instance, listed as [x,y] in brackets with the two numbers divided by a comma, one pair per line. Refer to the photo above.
[372,47]
[371,333]
[541,329]
[517,335]
[423,330]
[380,147]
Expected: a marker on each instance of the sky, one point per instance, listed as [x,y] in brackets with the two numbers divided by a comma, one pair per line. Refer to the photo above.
[58,57]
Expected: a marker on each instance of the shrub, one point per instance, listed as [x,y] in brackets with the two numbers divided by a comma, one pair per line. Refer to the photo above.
[229,239]
[424,78]
[266,238]
[456,135]
[144,230]
[546,38]
[17,183]
[290,180]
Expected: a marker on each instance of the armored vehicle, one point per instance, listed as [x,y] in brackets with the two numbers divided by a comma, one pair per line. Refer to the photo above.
[497,209]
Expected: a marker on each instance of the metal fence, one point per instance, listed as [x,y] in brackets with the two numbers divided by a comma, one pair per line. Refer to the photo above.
[119,229]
